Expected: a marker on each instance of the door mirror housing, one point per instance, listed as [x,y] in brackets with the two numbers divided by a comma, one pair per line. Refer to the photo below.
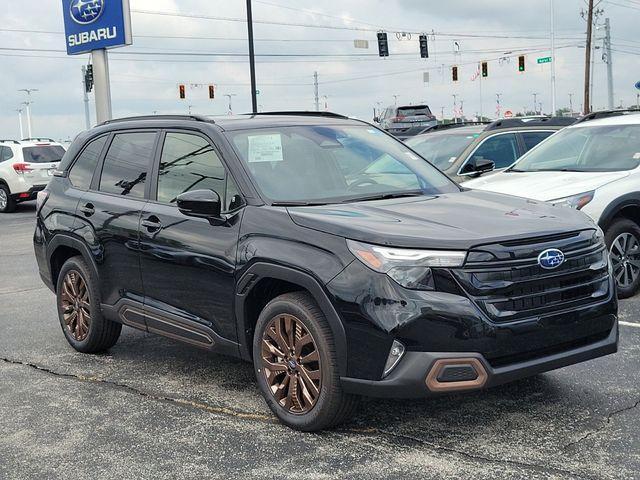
[376,119]
[478,166]
[200,203]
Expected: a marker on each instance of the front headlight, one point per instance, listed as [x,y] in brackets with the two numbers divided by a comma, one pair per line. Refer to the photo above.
[574,201]
[408,267]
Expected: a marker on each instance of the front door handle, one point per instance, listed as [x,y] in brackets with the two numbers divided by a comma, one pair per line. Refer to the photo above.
[152,223]
[88,209]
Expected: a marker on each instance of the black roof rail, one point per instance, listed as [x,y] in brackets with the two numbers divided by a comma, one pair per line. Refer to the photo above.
[607,114]
[448,126]
[10,141]
[38,139]
[302,113]
[197,118]
[531,122]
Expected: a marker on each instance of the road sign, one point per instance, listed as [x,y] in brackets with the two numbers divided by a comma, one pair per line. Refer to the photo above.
[508,114]
[96,24]
[638,85]
[544,60]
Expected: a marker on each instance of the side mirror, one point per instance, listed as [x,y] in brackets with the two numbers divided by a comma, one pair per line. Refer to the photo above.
[478,166]
[200,203]
[376,119]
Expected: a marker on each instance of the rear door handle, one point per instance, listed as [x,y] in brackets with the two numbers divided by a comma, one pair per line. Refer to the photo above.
[88,210]
[152,223]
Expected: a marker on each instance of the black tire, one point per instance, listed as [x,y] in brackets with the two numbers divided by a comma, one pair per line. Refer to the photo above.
[624,227]
[333,405]
[10,204]
[102,333]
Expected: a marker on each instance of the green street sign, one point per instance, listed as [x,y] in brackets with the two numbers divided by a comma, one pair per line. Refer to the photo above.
[544,60]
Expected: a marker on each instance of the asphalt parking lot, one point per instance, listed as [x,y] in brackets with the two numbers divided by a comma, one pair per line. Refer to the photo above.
[154,408]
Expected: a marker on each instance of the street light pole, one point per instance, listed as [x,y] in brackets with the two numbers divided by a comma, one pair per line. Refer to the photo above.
[87,117]
[28,103]
[19,110]
[229,95]
[535,103]
[252,62]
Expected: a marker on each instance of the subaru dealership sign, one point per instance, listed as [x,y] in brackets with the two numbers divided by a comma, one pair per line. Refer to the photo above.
[96,24]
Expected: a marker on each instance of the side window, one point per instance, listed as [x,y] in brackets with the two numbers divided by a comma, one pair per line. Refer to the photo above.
[189,162]
[2,154]
[531,139]
[82,171]
[502,149]
[5,154]
[126,164]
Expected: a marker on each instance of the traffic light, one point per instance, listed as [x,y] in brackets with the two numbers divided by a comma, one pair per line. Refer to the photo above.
[383,44]
[212,92]
[88,79]
[485,69]
[454,73]
[424,47]
[182,92]
[521,63]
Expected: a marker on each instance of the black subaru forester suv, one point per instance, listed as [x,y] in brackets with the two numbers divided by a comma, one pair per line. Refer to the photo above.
[266,237]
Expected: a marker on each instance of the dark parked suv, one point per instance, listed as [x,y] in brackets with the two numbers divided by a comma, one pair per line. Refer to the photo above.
[256,237]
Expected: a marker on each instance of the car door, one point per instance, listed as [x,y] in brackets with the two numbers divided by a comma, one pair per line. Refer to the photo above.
[188,263]
[108,216]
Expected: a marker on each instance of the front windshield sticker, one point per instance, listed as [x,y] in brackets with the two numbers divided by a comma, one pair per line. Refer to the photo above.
[411,155]
[636,156]
[452,159]
[265,148]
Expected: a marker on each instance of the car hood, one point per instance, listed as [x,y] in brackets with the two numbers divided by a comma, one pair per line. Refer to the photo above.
[450,221]
[544,185]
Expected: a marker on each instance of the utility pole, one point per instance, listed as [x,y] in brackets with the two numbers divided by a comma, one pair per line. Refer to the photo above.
[19,110]
[87,117]
[252,62]
[553,59]
[535,103]
[587,60]
[609,59]
[28,103]
[315,90]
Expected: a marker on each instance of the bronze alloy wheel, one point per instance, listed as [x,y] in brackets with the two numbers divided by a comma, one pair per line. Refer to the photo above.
[75,305]
[291,364]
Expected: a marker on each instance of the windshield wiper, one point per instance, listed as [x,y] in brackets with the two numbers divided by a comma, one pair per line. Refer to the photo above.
[384,196]
[296,204]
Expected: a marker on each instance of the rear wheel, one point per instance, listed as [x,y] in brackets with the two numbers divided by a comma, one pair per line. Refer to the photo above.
[296,366]
[79,311]
[7,204]
[623,241]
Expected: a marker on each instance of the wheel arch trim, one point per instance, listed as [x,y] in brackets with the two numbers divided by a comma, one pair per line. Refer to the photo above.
[64,240]
[261,270]
[611,210]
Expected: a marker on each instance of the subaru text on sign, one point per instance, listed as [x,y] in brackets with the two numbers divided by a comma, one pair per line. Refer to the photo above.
[96,24]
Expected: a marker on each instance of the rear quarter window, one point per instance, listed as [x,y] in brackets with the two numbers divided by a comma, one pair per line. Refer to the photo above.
[83,168]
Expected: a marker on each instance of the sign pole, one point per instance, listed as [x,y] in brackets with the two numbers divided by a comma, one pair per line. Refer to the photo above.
[553,60]
[102,85]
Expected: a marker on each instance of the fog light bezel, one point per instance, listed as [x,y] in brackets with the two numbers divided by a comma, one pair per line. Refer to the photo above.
[393,358]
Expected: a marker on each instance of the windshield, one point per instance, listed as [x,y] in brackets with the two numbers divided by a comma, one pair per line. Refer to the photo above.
[442,150]
[329,164]
[607,148]
[44,154]
[414,111]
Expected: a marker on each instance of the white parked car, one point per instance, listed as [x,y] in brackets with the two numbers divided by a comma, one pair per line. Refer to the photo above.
[25,169]
[593,167]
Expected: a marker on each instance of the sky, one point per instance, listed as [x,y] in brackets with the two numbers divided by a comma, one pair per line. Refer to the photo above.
[188,42]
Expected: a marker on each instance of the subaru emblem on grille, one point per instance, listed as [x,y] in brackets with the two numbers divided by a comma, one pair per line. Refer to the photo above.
[551,258]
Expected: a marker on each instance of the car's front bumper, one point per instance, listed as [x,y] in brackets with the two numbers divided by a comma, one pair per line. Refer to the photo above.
[415,373]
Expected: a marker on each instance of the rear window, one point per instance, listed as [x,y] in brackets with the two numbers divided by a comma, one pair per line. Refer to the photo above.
[418,110]
[43,154]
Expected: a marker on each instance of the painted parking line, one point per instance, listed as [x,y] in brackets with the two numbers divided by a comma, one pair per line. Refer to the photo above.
[630,324]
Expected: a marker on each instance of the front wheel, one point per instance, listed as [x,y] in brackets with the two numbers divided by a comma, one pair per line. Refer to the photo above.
[623,241]
[295,361]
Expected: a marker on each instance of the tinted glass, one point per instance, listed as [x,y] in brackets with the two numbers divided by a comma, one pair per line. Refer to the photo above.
[442,150]
[531,139]
[325,164]
[413,111]
[502,149]
[45,154]
[605,148]
[83,168]
[4,152]
[189,162]
[126,164]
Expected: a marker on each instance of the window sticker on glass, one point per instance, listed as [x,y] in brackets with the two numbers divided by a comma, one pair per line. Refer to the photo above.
[411,155]
[265,148]
[452,159]
[636,156]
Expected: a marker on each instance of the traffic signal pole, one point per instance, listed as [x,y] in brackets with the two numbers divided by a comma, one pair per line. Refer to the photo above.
[252,60]
[100,61]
